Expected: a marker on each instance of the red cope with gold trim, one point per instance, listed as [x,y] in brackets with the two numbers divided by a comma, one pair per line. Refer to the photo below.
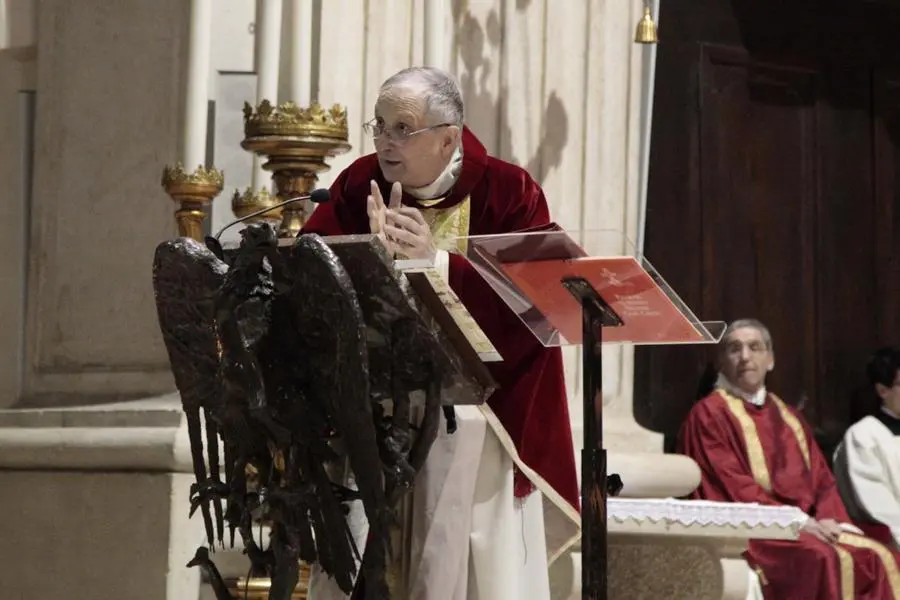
[491,196]
[767,454]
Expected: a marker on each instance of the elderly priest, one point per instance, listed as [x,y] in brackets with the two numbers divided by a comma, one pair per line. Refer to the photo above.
[752,447]
[867,463]
[484,524]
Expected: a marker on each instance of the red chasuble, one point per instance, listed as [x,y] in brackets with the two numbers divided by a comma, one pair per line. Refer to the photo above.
[494,197]
[767,455]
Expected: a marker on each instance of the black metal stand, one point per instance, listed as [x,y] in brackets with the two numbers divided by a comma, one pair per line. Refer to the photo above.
[595,486]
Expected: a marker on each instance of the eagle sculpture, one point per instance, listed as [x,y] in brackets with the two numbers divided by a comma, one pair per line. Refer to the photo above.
[282,356]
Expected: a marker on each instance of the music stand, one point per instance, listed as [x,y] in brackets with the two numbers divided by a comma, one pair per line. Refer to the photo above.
[587,288]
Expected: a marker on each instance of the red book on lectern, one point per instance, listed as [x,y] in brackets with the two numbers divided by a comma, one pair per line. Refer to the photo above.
[528,268]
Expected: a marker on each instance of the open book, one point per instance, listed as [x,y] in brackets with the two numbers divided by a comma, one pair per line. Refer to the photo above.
[450,313]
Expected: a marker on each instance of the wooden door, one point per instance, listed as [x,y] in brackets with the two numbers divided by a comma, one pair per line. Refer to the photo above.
[772,186]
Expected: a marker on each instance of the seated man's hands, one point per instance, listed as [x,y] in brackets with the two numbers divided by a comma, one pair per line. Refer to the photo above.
[826,530]
[832,528]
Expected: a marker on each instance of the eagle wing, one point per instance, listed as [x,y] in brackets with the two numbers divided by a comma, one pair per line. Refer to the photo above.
[330,320]
[186,280]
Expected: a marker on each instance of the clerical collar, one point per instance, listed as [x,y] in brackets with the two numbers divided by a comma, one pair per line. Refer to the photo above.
[756,399]
[440,186]
[889,419]
[890,413]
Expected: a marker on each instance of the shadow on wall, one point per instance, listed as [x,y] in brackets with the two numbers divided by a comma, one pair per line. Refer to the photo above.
[472,41]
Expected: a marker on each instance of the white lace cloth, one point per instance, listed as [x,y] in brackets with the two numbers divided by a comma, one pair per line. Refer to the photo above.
[703,513]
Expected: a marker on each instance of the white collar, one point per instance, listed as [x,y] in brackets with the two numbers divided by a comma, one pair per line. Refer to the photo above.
[756,399]
[444,181]
[889,412]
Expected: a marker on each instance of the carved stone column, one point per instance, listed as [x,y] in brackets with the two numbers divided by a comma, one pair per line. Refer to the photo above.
[620,107]
[17,73]
[108,112]
[100,507]
[101,502]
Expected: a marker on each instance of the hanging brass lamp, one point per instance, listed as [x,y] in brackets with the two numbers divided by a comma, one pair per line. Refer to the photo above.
[646,29]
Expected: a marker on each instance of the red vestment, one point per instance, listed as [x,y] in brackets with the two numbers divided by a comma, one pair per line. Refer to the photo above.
[767,455]
[531,399]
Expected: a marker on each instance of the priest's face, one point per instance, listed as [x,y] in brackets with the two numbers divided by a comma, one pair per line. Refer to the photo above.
[746,359]
[411,149]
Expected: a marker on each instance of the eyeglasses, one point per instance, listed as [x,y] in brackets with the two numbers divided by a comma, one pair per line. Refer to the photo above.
[399,133]
[737,348]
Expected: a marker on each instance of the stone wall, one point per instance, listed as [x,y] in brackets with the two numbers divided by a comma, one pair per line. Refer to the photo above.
[562,93]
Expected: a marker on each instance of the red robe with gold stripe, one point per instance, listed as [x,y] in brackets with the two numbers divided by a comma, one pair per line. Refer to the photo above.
[490,196]
[766,454]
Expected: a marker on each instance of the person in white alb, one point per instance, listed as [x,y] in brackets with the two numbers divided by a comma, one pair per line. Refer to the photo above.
[867,463]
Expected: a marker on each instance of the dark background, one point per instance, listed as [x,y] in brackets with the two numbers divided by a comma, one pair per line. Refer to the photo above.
[773,191]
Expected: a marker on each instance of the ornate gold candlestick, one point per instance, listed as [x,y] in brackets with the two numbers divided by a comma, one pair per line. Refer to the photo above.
[193,192]
[297,142]
[257,588]
[250,202]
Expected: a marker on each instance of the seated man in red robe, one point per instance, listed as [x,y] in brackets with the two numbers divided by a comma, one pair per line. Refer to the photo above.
[752,447]
[441,185]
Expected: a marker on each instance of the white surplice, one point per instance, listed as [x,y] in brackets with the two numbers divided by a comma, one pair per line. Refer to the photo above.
[468,537]
[867,469]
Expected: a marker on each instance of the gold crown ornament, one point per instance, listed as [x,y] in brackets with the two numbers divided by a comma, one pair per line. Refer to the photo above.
[193,191]
[249,202]
[297,142]
[288,119]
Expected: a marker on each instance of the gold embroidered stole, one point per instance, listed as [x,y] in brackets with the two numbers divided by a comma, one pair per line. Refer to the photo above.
[448,224]
[755,453]
[845,560]
[760,471]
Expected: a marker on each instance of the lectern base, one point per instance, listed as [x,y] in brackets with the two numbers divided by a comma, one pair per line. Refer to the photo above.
[596,314]
[593,509]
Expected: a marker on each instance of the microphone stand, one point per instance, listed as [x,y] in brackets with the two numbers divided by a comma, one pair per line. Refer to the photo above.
[212,242]
[259,212]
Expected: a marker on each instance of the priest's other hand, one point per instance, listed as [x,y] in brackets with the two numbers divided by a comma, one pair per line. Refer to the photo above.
[826,530]
[377,211]
[406,228]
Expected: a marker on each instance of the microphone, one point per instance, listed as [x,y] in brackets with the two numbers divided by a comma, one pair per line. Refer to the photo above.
[317,196]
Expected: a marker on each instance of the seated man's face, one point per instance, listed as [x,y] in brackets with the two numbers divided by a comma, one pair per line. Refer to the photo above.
[746,359]
[417,160]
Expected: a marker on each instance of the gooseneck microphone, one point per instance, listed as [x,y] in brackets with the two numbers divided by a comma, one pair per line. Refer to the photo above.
[317,196]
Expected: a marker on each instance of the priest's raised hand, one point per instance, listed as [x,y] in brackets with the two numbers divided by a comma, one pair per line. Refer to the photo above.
[377,211]
[407,229]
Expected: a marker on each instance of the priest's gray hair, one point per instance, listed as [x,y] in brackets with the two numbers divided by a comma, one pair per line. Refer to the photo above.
[752,324]
[438,88]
